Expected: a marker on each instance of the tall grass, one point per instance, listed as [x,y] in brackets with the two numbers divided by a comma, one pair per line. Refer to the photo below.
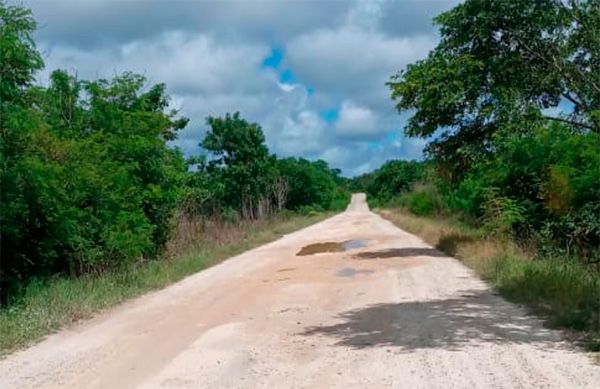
[562,290]
[47,305]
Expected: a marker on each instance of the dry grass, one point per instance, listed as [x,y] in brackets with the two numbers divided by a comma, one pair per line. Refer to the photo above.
[562,290]
[48,305]
[453,237]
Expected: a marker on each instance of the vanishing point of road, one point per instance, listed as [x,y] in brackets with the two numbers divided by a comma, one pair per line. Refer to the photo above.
[388,312]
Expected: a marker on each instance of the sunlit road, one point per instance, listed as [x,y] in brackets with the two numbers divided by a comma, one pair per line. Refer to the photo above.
[388,312]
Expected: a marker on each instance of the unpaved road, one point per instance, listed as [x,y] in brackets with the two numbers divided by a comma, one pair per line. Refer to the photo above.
[394,313]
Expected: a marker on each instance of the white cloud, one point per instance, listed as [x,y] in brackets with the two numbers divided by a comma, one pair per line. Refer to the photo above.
[210,56]
[356,121]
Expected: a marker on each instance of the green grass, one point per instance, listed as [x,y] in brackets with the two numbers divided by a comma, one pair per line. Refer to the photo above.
[48,305]
[565,292]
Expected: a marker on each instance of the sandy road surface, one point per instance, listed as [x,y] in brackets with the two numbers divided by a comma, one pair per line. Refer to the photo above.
[394,313]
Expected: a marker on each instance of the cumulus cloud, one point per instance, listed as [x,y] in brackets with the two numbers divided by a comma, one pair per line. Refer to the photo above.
[356,121]
[350,61]
[325,99]
[188,63]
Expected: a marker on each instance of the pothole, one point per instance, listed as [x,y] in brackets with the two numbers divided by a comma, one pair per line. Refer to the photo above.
[354,244]
[351,272]
[331,247]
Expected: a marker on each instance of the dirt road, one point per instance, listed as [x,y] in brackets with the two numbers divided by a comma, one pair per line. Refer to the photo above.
[393,313]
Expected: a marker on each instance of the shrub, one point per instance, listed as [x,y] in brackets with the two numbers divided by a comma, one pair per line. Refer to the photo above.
[423,200]
[419,203]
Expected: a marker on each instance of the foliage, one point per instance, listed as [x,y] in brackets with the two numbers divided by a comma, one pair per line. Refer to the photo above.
[310,184]
[90,184]
[93,184]
[499,63]
[509,99]
[421,202]
[502,214]
[240,178]
[395,177]
[391,180]
[242,163]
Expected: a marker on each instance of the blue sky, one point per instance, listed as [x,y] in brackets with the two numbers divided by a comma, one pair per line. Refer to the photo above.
[311,73]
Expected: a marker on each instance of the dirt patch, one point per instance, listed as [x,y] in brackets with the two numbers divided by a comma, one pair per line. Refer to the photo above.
[286,269]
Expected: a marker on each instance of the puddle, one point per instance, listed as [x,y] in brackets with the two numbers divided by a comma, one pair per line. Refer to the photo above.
[350,272]
[331,247]
[353,244]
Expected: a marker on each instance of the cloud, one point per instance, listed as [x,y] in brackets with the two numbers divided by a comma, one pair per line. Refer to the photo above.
[188,63]
[312,74]
[356,121]
[351,61]
[94,23]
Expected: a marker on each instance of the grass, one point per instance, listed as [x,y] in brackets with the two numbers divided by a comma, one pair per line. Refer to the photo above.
[562,290]
[48,305]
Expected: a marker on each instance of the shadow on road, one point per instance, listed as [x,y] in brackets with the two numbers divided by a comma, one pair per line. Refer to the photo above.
[400,252]
[450,324]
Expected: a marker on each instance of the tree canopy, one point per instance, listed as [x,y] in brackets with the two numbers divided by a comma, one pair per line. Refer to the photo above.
[510,102]
[499,63]
[89,181]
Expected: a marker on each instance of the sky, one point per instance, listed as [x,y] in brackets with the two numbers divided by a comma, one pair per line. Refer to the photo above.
[311,73]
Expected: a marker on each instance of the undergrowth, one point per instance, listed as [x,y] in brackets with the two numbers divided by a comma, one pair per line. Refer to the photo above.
[47,305]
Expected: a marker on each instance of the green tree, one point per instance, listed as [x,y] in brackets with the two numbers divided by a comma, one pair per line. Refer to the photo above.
[498,62]
[19,58]
[309,183]
[394,178]
[241,160]
[88,181]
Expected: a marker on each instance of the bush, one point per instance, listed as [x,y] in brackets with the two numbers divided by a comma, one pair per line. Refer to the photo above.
[422,201]
[419,203]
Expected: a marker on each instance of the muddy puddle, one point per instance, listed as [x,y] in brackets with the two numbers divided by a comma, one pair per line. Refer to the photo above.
[351,272]
[332,247]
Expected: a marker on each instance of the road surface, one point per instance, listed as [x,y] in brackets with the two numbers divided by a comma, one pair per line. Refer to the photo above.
[393,313]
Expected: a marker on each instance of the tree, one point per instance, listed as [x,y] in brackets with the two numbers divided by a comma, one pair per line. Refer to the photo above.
[503,62]
[19,58]
[241,160]
[394,178]
[309,183]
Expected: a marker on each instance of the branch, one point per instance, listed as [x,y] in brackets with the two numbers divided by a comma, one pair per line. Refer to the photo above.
[571,99]
[553,61]
[573,123]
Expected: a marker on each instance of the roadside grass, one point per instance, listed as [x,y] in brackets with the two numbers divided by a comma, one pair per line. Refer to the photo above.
[48,305]
[562,290]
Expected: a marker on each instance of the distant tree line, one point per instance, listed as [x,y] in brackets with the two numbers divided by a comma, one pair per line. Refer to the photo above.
[88,181]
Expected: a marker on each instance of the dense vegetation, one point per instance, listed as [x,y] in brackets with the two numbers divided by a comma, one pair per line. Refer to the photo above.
[89,183]
[510,102]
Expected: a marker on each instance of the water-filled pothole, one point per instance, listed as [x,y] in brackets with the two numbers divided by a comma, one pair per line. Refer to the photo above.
[331,247]
[351,272]
[353,244]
